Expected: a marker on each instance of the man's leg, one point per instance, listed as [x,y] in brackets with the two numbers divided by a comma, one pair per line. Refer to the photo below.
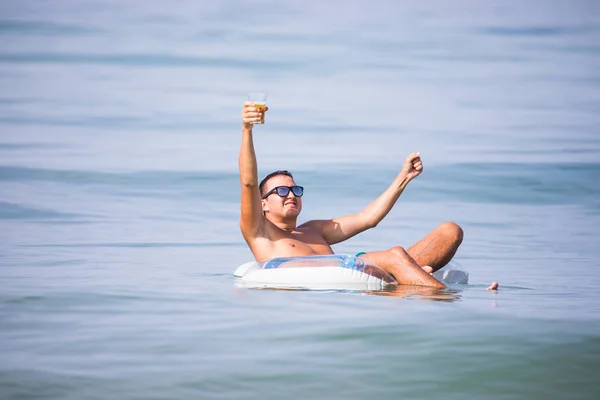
[400,264]
[438,247]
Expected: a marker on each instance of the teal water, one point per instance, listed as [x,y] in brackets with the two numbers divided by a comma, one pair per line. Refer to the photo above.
[119,134]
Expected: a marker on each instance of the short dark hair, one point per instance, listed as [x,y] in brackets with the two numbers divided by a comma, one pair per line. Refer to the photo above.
[261,186]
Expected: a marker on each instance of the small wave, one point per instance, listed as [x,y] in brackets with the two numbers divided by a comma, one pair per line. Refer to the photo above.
[509,183]
[43,28]
[29,146]
[147,60]
[517,183]
[141,244]
[535,31]
[15,211]
[145,178]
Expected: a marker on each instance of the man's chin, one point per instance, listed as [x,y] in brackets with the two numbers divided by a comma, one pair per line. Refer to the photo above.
[292,212]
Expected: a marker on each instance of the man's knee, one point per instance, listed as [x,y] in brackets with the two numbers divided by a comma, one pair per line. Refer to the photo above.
[452,231]
[398,251]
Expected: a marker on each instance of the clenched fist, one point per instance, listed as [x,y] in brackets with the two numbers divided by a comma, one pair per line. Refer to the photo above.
[413,166]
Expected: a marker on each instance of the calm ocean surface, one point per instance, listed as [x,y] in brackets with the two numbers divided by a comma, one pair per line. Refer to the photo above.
[119,196]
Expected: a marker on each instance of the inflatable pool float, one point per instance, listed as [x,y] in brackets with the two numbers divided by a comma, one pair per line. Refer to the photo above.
[334,271]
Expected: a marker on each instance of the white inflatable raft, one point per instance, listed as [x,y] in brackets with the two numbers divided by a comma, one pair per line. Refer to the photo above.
[335,271]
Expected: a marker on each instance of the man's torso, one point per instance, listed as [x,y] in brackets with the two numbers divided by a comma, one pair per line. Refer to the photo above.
[305,240]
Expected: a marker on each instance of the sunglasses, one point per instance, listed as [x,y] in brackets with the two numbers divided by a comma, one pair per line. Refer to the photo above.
[283,191]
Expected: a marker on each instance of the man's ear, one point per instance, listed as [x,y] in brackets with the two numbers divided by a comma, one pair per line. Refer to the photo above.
[265,206]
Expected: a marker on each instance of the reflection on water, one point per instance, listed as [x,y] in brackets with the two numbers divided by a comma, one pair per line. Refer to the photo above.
[402,291]
[420,293]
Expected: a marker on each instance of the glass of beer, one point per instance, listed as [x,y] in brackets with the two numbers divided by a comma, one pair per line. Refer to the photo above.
[260,102]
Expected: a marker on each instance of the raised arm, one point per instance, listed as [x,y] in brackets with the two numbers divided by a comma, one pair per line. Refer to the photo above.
[251,218]
[339,229]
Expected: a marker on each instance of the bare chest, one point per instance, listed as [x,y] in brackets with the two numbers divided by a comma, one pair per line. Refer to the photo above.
[297,243]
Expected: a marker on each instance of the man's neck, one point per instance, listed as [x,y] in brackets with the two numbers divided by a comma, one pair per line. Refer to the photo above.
[287,225]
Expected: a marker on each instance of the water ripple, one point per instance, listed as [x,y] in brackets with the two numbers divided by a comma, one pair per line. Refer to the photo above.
[44,28]
[20,212]
[147,60]
[536,31]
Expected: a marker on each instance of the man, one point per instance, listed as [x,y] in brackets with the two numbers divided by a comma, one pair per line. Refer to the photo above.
[269,212]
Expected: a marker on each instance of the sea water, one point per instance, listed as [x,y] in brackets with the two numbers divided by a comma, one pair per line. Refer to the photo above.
[119,197]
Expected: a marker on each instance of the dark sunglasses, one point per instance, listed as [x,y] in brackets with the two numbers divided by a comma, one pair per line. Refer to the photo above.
[283,191]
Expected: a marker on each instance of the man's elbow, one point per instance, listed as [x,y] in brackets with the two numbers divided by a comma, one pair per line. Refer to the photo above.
[372,223]
[369,221]
[248,184]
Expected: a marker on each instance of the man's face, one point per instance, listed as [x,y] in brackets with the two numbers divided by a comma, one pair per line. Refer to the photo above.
[288,206]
